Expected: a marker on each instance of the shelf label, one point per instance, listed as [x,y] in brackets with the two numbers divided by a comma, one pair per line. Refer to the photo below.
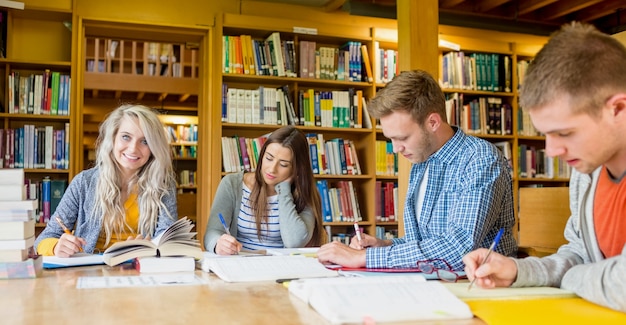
[305,30]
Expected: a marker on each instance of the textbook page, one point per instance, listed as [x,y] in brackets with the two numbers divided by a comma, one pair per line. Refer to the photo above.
[266,268]
[381,299]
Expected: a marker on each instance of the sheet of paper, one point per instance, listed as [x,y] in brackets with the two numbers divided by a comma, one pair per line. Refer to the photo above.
[78,259]
[266,268]
[293,251]
[384,299]
[179,278]
[460,290]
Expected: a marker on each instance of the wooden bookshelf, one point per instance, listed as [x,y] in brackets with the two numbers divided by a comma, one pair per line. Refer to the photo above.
[201,24]
[153,65]
[523,47]
[29,112]
[324,35]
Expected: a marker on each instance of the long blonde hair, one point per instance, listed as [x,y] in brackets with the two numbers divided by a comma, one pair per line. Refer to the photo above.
[151,182]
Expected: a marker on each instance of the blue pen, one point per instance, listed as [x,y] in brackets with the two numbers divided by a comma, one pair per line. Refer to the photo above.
[491,249]
[224,223]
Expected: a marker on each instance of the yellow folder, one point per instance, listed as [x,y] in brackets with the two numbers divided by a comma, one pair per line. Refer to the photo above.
[544,311]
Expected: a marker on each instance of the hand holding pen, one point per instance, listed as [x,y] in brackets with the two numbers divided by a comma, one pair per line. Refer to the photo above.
[359,241]
[68,244]
[489,269]
[226,244]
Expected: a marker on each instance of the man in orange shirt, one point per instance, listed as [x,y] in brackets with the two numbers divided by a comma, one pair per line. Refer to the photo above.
[575,93]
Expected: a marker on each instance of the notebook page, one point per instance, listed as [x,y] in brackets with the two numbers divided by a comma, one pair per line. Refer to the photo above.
[267,268]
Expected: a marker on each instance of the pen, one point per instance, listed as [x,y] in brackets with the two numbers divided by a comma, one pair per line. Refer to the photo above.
[65,229]
[491,249]
[358,232]
[224,223]
[286,280]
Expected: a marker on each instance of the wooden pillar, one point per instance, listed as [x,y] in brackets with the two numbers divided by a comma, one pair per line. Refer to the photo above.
[418,25]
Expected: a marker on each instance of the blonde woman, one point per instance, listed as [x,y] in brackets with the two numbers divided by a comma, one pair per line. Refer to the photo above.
[130,193]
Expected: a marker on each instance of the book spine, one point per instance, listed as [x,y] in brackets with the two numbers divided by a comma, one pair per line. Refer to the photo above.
[45,198]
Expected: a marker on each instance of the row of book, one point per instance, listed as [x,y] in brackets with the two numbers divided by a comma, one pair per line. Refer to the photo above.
[336,156]
[381,233]
[275,106]
[275,57]
[48,192]
[35,147]
[185,151]
[182,133]
[47,93]
[187,178]
[339,203]
[386,159]
[476,71]
[481,115]
[339,108]
[386,65]
[328,157]
[386,201]
[241,153]
[534,163]
[17,229]
[525,126]
[522,66]
[386,233]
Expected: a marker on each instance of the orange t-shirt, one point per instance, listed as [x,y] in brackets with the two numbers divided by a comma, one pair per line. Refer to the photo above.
[609,214]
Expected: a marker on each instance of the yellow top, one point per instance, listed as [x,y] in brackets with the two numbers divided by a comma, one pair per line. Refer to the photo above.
[131,207]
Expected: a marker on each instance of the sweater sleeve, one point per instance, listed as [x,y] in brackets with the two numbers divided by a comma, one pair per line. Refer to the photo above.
[601,282]
[170,215]
[227,201]
[296,229]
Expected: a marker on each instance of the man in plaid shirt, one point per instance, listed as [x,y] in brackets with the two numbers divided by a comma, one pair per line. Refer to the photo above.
[460,190]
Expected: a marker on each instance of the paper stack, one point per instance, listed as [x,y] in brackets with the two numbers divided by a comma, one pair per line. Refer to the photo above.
[17,228]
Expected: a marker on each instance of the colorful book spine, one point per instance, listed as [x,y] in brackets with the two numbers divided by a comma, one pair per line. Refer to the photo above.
[45,198]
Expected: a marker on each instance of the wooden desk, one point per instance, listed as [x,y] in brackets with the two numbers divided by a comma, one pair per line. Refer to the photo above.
[54,299]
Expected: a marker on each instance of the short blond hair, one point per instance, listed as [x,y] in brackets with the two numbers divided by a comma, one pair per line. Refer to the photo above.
[579,64]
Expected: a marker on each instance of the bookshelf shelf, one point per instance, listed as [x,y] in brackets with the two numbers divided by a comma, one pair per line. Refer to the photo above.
[243,78]
[543,180]
[24,117]
[46,171]
[37,64]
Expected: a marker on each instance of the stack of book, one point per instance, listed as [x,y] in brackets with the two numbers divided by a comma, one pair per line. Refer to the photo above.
[17,228]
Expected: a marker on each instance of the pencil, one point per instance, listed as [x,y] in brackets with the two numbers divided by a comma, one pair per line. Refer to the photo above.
[65,229]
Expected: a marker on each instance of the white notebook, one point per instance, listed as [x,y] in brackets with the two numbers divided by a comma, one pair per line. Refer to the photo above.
[380,299]
[248,268]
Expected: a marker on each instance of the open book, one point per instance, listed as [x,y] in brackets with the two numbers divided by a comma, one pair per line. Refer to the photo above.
[380,299]
[177,240]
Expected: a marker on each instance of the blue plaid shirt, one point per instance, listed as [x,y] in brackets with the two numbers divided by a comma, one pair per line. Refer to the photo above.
[469,197]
